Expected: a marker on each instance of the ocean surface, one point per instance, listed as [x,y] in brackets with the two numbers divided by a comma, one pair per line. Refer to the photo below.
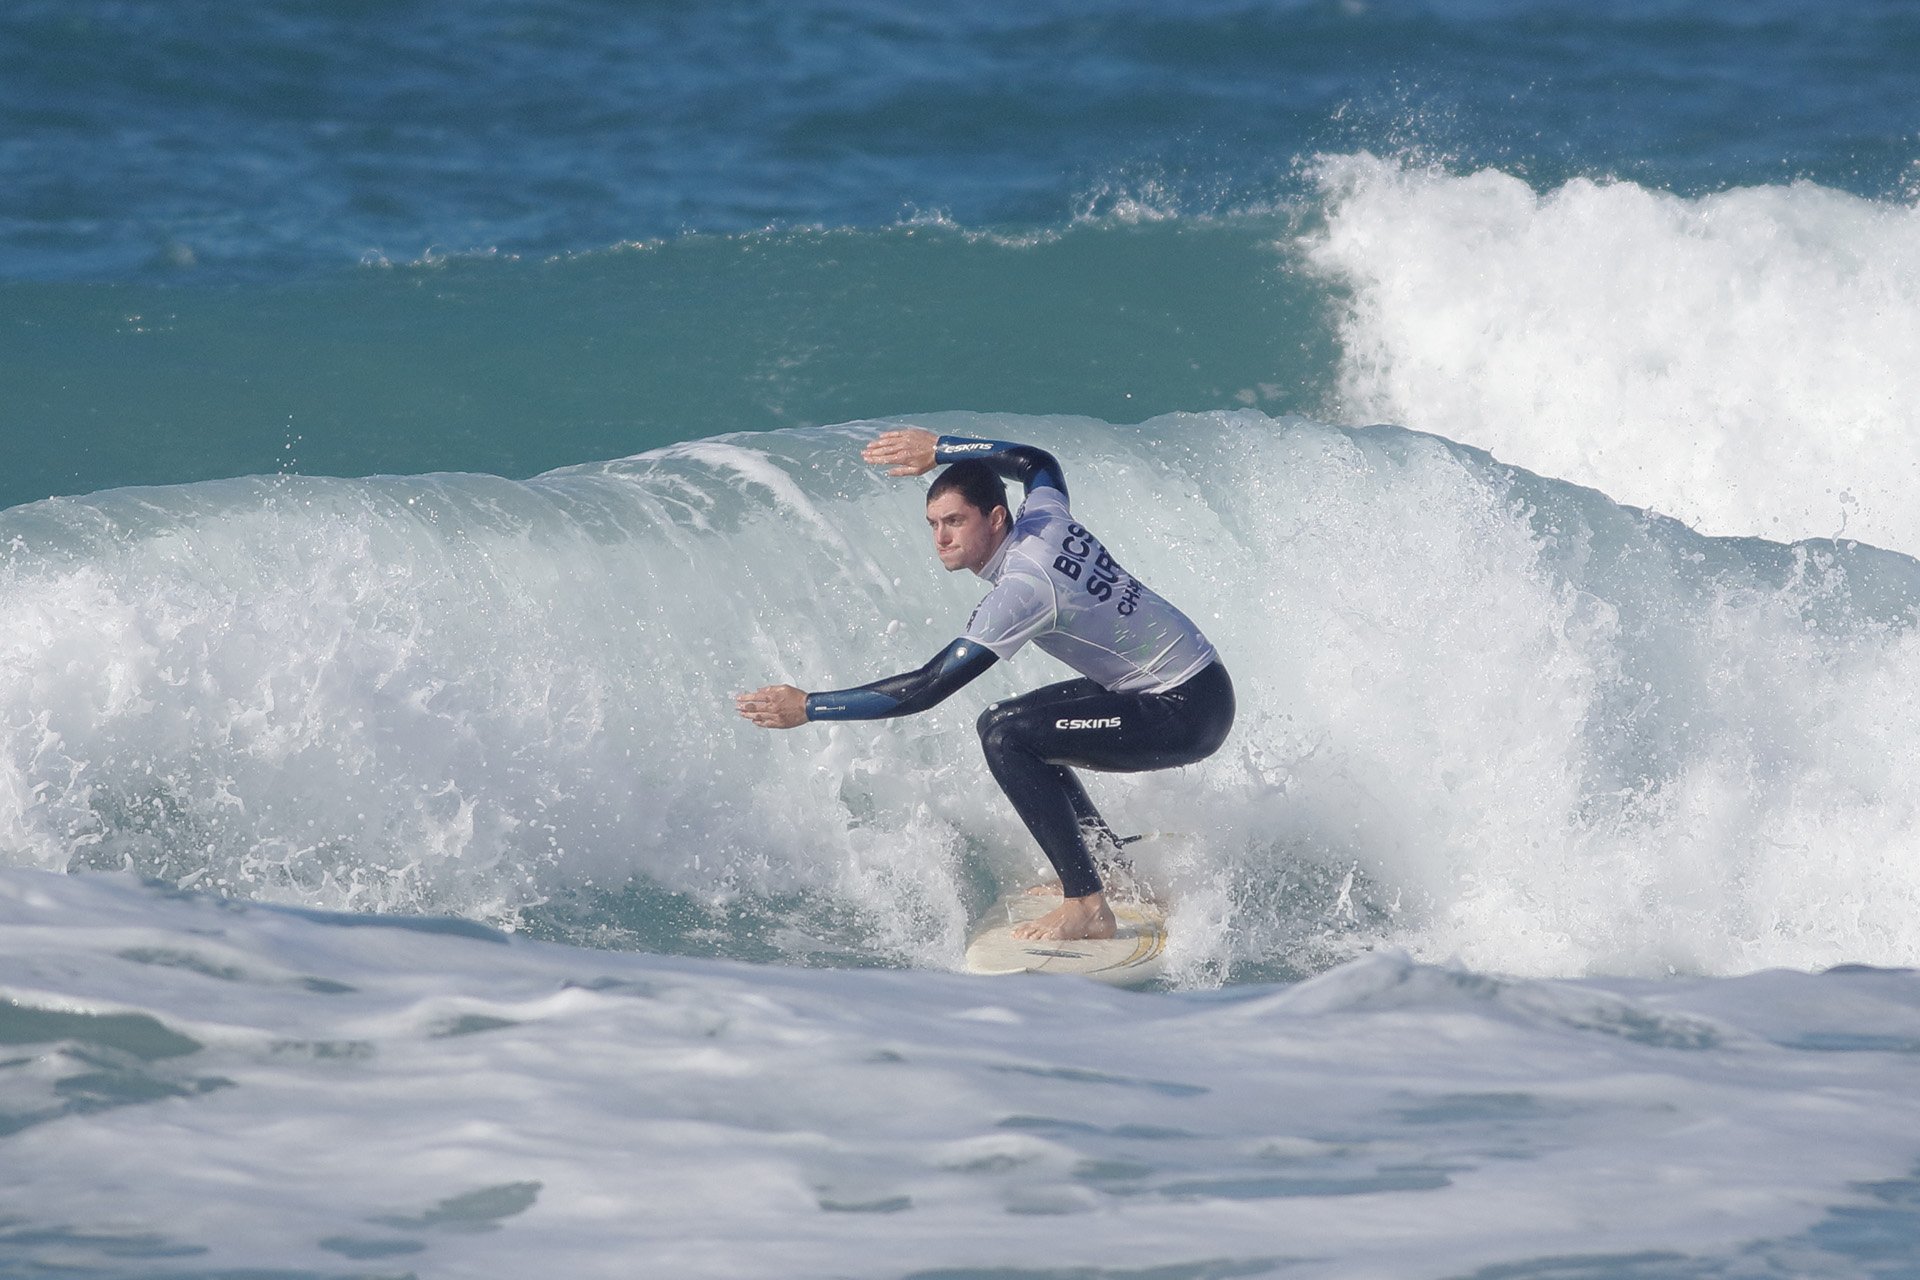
[420,419]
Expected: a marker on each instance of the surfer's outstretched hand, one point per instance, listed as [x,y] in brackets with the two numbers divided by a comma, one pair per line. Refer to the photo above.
[907,451]
[777,706]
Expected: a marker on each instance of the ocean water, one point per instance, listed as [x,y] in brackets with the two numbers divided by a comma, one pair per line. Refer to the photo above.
[422,418]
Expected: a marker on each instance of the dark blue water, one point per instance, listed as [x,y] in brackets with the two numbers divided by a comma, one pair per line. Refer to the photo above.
[284,138]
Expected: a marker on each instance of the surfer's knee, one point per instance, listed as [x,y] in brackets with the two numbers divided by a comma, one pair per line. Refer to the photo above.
[995,726]
[1006,740]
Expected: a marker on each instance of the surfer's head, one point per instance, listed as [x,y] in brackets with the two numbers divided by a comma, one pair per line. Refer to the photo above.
[967,511]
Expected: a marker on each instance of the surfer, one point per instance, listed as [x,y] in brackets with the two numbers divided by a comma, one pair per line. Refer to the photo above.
[1153,694]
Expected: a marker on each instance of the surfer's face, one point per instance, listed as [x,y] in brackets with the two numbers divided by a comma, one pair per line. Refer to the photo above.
[964,537]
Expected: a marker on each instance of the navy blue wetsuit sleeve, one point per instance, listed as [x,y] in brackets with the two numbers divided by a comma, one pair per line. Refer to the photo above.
[913,691]
[1033,468]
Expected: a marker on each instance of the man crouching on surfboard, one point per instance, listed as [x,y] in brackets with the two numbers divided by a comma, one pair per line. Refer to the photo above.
[1153,694]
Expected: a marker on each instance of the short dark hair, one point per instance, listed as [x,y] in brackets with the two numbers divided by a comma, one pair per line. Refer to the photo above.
[974,481]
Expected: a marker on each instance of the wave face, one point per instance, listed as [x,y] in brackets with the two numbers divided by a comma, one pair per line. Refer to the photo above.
[1742,360]
[1484,714]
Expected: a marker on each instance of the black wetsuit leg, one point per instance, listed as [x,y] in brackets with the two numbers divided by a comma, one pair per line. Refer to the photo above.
[1033,743]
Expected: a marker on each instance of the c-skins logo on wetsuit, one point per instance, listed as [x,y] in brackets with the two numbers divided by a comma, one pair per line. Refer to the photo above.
[1096,722]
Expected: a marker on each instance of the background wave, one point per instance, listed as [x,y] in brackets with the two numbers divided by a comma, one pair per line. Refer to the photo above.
[1739,360]
[1742,360]
[1485,714]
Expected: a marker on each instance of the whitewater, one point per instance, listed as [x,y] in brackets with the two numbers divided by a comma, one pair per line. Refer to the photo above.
[1485,715]
[1741,360]
[248,1090]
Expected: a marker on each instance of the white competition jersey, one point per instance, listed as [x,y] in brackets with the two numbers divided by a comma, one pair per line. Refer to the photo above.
[1054,584]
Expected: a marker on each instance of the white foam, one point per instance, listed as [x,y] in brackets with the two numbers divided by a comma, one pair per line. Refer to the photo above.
[405,1093]
[1743,360]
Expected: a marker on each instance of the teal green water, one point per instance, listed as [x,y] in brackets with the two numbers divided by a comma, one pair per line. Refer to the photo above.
[516,367]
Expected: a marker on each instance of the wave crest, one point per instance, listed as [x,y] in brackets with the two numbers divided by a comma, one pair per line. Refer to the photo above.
[1484,714]
[1741,360]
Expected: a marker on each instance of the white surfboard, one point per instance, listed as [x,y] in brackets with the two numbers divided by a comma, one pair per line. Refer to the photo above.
[1133,956]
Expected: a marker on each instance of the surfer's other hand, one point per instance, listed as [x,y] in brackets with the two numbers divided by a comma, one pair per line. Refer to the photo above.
[777,706]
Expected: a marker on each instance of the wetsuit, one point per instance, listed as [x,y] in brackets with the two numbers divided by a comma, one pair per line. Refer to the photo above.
[1153,693]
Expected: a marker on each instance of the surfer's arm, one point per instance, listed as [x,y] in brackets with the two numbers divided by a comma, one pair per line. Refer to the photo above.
[910,692]
[912,451]
[1033,468]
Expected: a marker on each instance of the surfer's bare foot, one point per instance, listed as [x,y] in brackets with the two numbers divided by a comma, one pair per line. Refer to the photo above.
[1071,921]
[1045,889]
